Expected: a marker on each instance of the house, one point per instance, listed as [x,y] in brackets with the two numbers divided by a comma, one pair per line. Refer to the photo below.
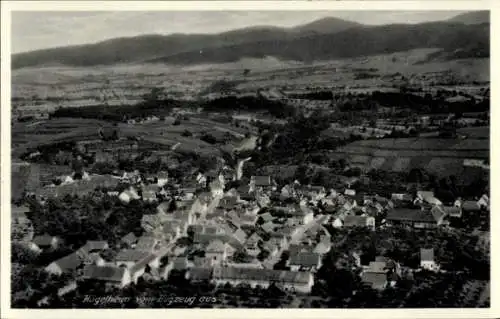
[252,244]
[484,202]
[289,280]
[129,240]
[149,194]
[69,287]
[172,231]
[427,197]
[162,179]
[263,183]
[304,214]
[267,217]
[245,194]
[112,276]
[199,274]
[268,227]
[416,218]
[138,269]
[381,273]
[350,192]
[217,188]
[228,202]
[129,257]
[452,211]
[149,222]
[148,243]
[471,206]
[164,208]
[216,252]
[248,219]
[401,197]
[95,246]
[262,199]
[239,235]
[359,221]
[280,239]
[65,264]
[427,260]
[305,261]
[18,215]
[322,248]
[314,193]
[351,182]
[180,263]
[129,194]
[46,241]
[288,191]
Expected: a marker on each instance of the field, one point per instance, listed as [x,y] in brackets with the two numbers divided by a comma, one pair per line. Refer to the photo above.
[27,136]
[78,86]
[442,157]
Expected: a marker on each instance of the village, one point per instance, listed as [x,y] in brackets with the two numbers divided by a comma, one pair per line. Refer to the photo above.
[222,228]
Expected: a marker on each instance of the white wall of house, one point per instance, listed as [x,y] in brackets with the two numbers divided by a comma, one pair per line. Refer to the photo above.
[429,265]
[308,218]
[54,268]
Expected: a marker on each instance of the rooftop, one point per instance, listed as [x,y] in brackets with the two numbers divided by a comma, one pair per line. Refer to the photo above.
[413,215]
[279,276]
[107,273]
[426,254]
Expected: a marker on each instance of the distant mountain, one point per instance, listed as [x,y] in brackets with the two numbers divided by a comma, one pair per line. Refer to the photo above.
[354,42]
[326,25]
[473,17]
[323,39]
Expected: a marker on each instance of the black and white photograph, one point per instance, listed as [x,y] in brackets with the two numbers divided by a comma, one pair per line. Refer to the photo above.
[233,159]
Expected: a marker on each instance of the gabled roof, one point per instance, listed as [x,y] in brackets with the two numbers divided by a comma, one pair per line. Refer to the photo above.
[305,259]
[240,235]
[216,246]
[374,279]
[377,267]
[295,249]
[412,215]
[92,245]
[69,262]
[228,202]
[19,211]
[131,255]
[142,263]
[452,211]
[262,180]
[180,263]
[253,239]
[268,227]
[130,238]
[247,274]
[322,247]
[426,254]
[43,240]
[105,273]
[164,206]
[146,243]
[351,220]
[470,206]
[267,217]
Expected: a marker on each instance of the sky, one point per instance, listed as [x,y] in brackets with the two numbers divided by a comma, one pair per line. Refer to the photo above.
[40,30]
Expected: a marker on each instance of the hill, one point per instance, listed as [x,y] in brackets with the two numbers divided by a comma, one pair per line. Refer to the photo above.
[474,17]
[323,39]
[353,42]
[148,47]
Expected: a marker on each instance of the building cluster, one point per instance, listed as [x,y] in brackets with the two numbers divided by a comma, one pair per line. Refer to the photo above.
[238,235]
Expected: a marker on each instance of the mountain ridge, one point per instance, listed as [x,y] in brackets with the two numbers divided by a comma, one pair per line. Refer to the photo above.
[335,38]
